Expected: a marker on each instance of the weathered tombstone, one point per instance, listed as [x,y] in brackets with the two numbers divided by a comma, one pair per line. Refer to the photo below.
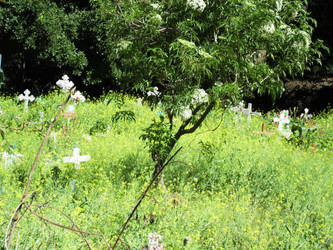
[76,158]
[26,98]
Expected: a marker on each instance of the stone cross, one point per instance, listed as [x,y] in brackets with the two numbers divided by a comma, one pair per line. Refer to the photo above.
[76,158]
[26,98]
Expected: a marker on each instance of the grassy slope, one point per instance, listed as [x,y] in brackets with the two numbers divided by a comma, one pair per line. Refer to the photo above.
[227,188]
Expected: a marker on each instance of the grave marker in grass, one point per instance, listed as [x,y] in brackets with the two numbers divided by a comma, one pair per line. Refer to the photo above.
[245,111]
[263,131]
[26,98]
[76,158]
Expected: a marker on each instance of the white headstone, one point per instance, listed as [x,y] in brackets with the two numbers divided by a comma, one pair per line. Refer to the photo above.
[76,158]
[26,98]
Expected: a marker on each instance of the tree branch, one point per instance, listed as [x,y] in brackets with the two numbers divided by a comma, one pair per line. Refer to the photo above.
[182,129]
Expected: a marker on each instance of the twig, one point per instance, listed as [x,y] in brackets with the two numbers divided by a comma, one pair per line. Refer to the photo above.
[69,218]
[13,221]
[66,227]
[143,196]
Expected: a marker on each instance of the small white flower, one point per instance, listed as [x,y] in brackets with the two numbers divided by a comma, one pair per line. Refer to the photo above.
[155,5]
[306,110]
[199,96]
[269,28]
[65,84]
[185,113]
[199,5]
[158,18]
[154,92]
[78,97]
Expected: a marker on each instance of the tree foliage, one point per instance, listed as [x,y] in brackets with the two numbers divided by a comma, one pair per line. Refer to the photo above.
[126,44]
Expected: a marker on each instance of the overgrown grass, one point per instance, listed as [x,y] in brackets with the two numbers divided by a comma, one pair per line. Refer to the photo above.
[228,188]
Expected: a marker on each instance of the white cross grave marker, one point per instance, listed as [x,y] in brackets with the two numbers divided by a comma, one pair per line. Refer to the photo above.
[76,158]
[26,98]
[249,112]
[246,111]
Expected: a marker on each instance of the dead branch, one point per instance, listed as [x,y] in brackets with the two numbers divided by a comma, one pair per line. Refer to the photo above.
[69,218]
[68,228]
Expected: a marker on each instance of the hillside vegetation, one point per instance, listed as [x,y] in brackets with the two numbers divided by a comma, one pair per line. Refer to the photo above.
[227,188]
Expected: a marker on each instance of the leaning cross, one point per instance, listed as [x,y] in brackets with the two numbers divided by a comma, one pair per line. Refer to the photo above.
[76,158]
[26,98]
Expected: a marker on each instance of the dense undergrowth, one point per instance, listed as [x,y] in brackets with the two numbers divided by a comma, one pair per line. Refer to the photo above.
[228,188]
